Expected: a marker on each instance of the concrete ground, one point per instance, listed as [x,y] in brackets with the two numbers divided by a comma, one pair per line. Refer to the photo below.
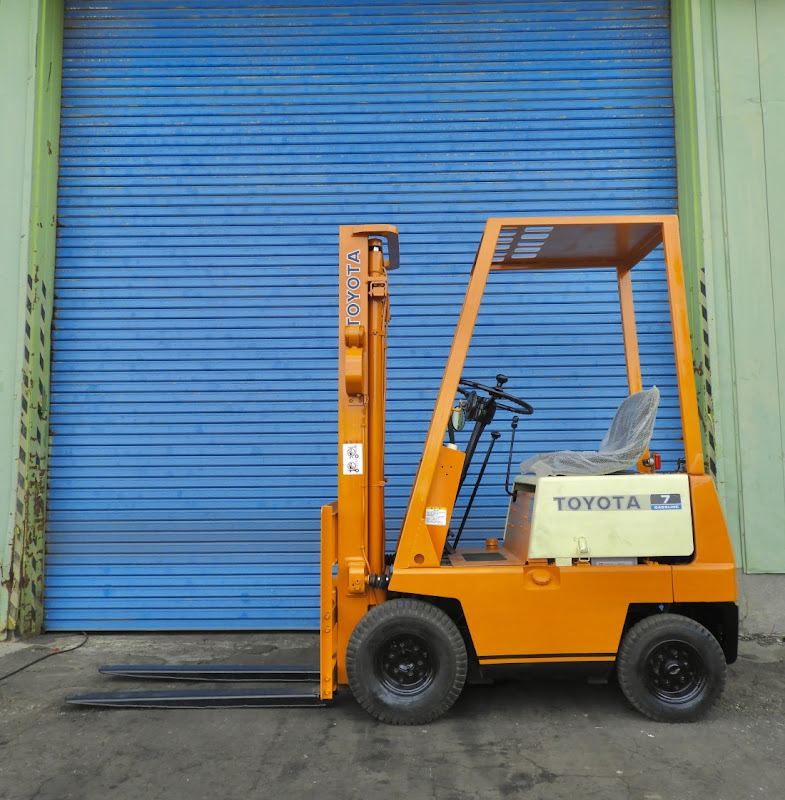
[535,739]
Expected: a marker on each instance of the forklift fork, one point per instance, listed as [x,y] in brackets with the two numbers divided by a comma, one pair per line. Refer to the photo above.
[305,695]
[312,689]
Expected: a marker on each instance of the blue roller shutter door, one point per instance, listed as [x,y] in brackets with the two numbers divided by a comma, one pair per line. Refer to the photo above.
[209,153]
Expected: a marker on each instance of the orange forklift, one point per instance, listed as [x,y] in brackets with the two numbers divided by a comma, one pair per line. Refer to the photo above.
[605,562]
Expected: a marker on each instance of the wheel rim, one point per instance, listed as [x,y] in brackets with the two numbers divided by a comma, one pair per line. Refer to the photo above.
[404,664]
[674,672]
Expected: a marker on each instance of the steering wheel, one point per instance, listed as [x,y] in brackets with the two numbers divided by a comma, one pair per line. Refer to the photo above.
[497,393]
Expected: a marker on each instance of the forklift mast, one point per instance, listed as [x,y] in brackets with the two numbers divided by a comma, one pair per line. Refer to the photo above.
[353,561]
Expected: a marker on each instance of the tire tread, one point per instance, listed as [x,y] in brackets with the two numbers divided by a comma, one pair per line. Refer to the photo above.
[388,612]
[627,667]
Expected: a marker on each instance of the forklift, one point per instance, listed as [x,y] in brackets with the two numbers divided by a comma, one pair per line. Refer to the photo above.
[605,564]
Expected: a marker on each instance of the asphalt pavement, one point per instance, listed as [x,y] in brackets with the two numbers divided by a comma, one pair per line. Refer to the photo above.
[534,739]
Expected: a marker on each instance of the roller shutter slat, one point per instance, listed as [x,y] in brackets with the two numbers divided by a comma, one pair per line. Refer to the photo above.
[208,155]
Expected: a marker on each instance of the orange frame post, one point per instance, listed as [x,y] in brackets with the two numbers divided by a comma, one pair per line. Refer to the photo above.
[685,369]
[415,543]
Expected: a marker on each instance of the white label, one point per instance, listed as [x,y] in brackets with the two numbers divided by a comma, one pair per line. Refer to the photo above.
[353,459]
[435,516]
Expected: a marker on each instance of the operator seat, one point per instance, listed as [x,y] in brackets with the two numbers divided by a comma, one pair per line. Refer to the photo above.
[622,446]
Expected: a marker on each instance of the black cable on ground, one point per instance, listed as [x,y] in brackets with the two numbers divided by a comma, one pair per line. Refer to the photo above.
[55,652]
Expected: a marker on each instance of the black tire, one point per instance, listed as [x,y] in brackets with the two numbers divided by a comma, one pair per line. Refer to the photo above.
[406,661]
[671,668]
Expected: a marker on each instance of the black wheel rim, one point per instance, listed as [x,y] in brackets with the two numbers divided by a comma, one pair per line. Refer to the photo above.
[674,672]
[404,664]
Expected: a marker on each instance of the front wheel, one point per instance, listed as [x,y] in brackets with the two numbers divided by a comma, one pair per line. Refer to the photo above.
[406,661]
[671,668]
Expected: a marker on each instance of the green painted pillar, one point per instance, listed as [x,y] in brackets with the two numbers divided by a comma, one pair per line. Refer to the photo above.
[701,217]
[31,35]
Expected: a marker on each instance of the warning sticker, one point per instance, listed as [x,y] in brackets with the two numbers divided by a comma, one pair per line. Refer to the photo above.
[353,459]
[435,516]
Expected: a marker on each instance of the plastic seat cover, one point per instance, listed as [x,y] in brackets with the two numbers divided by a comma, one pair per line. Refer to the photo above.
[622,446]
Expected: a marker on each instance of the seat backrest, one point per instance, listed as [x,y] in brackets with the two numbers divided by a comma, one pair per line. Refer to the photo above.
[633,424]
[622,446]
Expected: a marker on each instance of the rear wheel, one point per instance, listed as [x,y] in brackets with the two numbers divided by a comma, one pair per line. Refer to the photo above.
[406,661]
[671,668]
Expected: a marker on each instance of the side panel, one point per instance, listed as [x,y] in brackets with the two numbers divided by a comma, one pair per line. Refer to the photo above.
[518,613]
[711,577]
[517,531]
[635,515]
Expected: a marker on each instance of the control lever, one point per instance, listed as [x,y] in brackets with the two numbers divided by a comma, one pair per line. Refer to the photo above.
[514,426]
[494,436]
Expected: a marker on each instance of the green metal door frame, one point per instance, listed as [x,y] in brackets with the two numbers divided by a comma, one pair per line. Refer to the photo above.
[701,218]
[730,122]
[22,557]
